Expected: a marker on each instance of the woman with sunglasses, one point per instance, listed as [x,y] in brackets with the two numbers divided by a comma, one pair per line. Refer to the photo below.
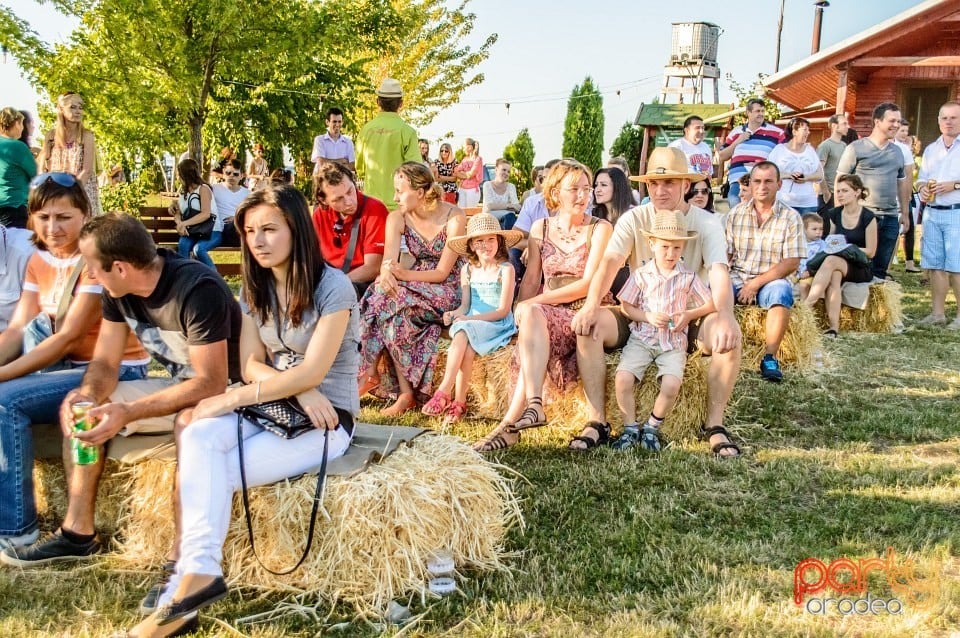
[564,252]
[537,175]
[443,169]
[195,205]
[300,338]
[45,349]
[700,195]
[17,168]
[71,148]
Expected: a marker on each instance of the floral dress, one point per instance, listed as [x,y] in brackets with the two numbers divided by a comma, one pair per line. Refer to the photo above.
[69,159]
[562,362]
[407,326]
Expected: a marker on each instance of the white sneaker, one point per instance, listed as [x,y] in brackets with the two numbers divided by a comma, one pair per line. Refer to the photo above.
[19,541]
[954,325]
[933,320]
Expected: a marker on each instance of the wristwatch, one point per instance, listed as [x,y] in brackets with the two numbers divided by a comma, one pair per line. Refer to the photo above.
[956,185]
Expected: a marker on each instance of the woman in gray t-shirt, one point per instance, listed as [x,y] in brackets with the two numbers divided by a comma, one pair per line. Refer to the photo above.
[286,283]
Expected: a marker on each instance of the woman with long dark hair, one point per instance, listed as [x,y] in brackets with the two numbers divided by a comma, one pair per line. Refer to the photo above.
[700,194]
[300,339]
[612,194]
[195,205]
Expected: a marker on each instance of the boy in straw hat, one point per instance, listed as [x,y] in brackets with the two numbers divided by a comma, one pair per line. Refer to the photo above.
[658,299]
[717,335]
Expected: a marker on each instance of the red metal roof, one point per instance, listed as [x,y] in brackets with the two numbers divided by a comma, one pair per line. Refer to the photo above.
[816,77]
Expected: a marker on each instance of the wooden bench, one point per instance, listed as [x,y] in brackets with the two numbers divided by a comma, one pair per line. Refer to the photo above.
[163,229]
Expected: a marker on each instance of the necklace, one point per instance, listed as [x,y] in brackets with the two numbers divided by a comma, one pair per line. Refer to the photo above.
[568,236]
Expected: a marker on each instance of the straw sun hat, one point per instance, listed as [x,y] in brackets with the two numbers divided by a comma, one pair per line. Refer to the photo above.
[668,163]
[479,225]
[670,225]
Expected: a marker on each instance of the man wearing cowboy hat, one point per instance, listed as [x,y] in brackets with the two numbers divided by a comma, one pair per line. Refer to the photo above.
[667,178]
[765,243]
[384,143]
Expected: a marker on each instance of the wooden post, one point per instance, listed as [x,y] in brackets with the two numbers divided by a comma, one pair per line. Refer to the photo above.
[644,148]
[841,90]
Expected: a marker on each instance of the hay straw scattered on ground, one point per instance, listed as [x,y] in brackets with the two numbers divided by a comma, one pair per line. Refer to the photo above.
[374,534]
[883,314]
[796,351]
[490,385]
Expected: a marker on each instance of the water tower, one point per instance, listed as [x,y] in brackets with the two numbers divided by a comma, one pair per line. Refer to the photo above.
[693,58]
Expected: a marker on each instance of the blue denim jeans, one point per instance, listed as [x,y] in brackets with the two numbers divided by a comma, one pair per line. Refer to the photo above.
[199,247]
[733,198]
[888,231]
[778,292]
[34,398]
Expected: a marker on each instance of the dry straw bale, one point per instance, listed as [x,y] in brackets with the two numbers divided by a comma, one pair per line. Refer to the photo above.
[375,532]
[490,381]
[883,314]
[50,490]
[799,343]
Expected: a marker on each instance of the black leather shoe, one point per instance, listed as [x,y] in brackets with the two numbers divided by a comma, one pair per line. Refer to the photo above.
[194,602]
[149,603]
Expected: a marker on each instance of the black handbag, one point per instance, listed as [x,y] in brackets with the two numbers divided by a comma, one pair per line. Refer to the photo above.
[285,417]
[204,228]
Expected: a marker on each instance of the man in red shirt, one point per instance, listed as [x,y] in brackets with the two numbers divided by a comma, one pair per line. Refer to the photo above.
[341,207]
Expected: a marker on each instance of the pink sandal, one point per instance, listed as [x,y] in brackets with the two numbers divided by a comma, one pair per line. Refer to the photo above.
[455,412]
[438,404]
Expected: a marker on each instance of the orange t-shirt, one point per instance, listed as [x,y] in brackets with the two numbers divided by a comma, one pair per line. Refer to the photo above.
[47,276]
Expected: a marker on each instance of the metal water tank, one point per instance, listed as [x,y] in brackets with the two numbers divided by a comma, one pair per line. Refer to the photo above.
[694,42]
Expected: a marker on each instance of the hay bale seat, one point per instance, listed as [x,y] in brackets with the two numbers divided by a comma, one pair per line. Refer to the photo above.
[491,386]
[374,535]
[799,343]
[881,314]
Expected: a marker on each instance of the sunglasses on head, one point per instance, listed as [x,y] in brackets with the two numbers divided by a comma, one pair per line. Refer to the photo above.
[62,179]
[338,232]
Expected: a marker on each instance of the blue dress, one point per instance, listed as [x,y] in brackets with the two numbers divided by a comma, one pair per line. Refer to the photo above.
[486,336]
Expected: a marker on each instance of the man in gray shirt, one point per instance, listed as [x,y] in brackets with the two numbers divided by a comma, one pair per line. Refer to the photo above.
[878,162]
[829,153]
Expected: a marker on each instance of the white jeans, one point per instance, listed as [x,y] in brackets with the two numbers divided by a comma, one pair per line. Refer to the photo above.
[209,468]
[469,197]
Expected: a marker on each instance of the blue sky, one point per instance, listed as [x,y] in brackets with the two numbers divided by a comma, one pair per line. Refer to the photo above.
[548,46]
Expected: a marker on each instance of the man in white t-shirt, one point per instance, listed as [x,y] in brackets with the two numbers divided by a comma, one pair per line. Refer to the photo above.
[16,248]
[699,155]
[228,195]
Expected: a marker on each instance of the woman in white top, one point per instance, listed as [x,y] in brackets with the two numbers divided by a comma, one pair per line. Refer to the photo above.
[500,196]
[799,166]
[193,208]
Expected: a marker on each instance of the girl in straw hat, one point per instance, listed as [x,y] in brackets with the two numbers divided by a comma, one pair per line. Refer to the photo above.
[658,298]
[484,320]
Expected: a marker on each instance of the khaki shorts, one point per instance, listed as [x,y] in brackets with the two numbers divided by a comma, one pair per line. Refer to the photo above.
[128,391]
[637,356]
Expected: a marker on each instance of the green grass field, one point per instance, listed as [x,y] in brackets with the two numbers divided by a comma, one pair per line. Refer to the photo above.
[845,461]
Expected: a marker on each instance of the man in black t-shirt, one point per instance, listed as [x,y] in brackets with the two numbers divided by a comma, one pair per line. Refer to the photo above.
[186,318]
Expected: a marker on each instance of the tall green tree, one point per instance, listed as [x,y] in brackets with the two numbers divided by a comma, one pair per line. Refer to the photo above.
[583,129]
[425,51]
[628,145]
[520,154]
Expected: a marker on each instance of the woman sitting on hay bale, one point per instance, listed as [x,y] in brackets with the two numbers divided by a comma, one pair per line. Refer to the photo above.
[858,225]
[565,251]
[297,306]
[402,313]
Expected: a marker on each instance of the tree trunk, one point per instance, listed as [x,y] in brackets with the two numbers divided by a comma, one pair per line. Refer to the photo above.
[196,141]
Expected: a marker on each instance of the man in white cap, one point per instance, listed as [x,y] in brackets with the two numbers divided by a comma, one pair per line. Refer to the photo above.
[597,327]
[384,143]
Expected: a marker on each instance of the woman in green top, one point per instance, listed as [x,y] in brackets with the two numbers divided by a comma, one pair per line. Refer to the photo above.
[17,168]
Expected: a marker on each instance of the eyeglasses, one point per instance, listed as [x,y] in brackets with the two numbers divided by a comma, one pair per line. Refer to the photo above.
[62,179]
[579,192]
[230,174]
[338,232]
[701,191]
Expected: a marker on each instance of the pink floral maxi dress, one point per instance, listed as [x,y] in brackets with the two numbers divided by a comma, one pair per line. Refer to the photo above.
[69,159]
[407,326]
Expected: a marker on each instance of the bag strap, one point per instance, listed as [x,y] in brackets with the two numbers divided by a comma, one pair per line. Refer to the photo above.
[354,233]
[67,295]
[317,499]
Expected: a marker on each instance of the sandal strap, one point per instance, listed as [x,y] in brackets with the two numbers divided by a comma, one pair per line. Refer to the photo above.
[529,418]
[602,430]
[586,440]
[713,431]
[493,443]
[720,447]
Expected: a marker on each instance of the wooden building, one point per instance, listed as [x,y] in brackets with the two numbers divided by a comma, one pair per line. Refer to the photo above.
[912,59]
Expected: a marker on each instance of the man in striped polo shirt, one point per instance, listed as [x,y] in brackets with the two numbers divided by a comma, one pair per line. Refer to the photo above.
[748,144]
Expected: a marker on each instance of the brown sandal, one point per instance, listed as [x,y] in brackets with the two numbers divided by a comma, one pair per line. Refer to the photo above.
[530,417]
